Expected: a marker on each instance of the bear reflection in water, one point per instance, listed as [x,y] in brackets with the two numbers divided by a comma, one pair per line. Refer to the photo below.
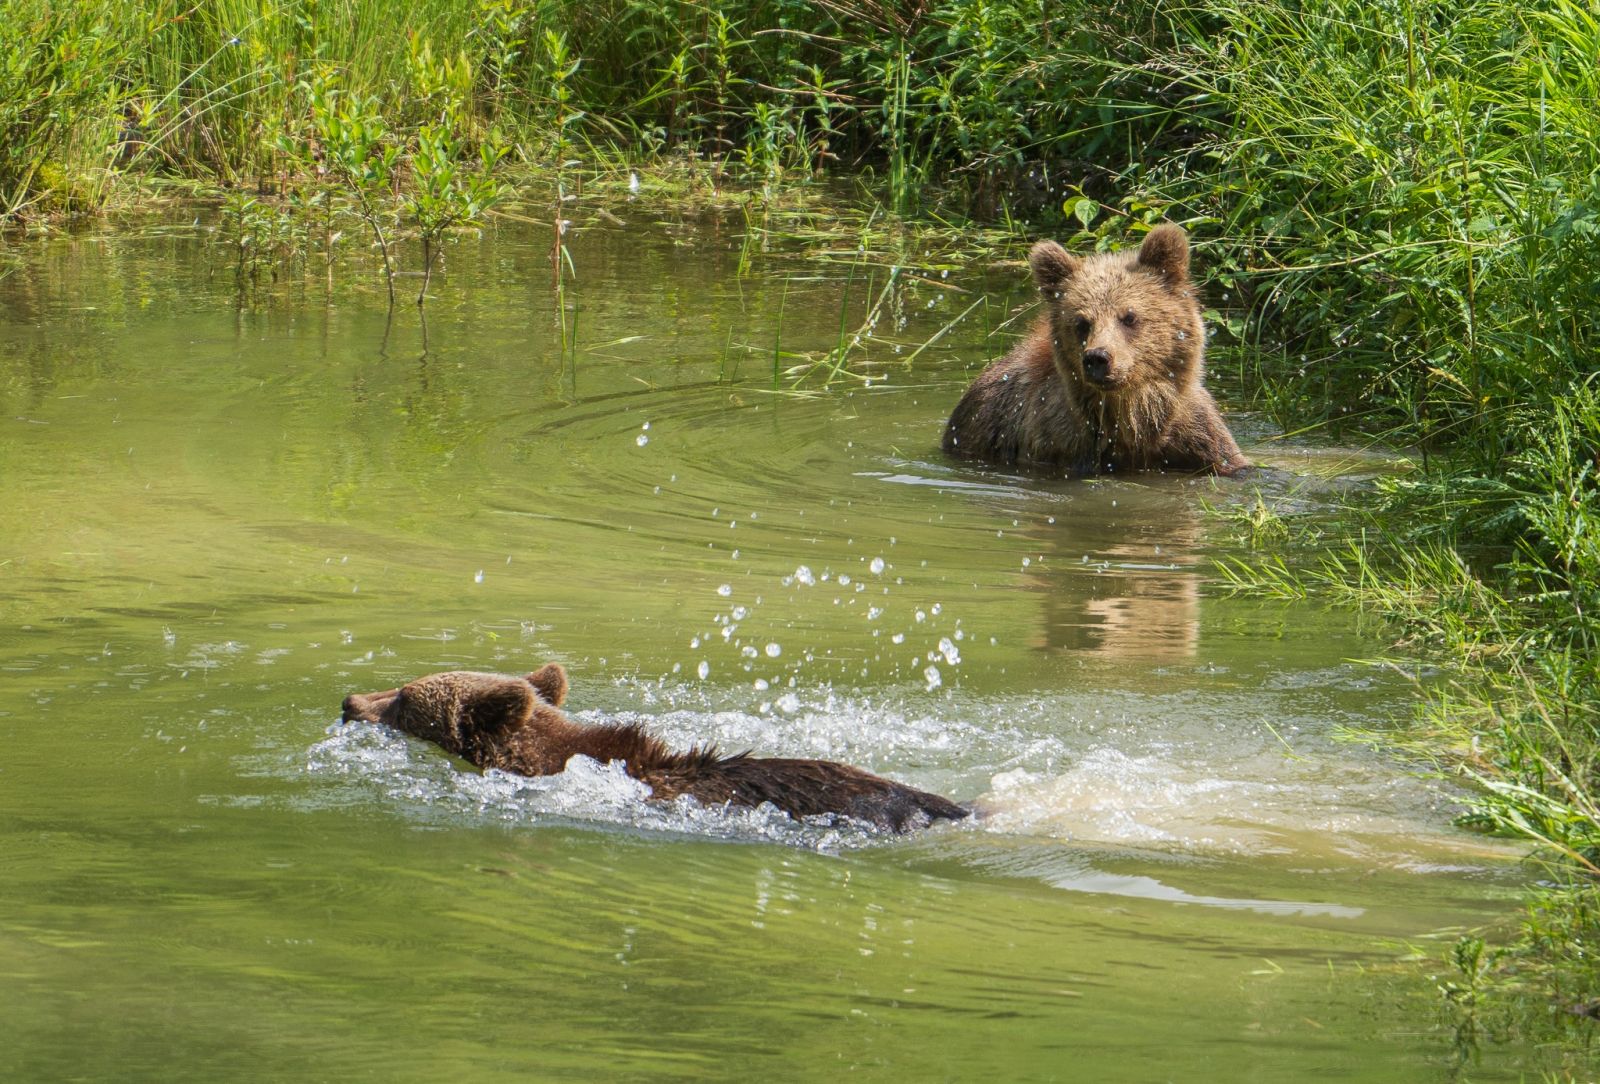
[512,723]
[1122,578]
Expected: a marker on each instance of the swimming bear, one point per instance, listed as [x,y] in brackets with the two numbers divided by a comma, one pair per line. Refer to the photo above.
[512,723]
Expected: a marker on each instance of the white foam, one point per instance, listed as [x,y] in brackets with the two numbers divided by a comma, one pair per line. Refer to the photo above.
[1185,774]
[430,787]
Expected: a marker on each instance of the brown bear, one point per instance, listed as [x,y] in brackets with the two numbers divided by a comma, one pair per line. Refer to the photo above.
[1109,379]
[511,723]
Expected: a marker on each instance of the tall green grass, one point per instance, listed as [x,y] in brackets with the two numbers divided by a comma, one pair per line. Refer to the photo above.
[59,104]
[1405,198]
[1409,202]
[1410,195]
[958,91]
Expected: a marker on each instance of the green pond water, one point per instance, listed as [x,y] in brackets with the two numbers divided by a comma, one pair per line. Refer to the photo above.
[220,519]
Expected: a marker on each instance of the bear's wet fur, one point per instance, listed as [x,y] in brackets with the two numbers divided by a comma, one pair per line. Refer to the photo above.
[1111,376]
[512,723]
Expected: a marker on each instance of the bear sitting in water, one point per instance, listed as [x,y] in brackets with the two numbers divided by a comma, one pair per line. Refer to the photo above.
[511,723]
[1109,378]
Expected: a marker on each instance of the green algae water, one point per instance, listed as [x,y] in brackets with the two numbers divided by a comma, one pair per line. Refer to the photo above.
[220,518]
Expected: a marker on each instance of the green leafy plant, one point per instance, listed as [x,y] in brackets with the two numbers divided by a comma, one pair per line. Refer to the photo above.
[449,191]
[360,153]
[262,235]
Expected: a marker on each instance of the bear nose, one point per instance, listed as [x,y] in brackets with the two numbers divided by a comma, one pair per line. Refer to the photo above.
[1097,365]
[367,707]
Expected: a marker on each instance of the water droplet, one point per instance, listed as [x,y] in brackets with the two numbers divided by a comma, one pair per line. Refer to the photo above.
[921,617]
[773,651]
[931,674]
[898,638]
[704,669]
[948,650]
[479,577]
[641,440]
[725,590]
[876,566]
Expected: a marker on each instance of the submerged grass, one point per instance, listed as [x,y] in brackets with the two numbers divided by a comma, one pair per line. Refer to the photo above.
[1398,206]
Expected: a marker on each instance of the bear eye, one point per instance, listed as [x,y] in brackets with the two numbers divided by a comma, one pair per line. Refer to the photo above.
[1083,328]
[1129,319]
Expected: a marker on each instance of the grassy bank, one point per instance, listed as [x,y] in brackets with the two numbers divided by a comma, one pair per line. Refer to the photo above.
[1399,205]
[1410,203]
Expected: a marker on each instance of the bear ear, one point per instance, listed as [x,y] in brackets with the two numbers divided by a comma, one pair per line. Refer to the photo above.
[1051,266]
[495,708]
[550,682]
[1166,250]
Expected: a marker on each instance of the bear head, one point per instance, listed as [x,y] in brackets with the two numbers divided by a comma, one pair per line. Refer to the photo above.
[1123,323]
[462,710]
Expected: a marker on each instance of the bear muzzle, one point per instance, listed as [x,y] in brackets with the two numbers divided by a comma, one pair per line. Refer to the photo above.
[1098,369]
[367,707]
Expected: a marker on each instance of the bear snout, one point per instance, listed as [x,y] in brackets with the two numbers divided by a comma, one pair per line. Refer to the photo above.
[365,708]
[1097,366]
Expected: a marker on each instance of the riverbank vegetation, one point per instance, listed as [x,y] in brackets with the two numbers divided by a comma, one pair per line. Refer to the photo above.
[1398,207]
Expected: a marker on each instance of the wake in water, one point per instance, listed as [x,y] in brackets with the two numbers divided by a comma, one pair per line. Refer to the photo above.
[1175,774]
[431,788]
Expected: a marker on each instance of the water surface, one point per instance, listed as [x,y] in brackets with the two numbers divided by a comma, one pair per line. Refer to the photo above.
[222,517]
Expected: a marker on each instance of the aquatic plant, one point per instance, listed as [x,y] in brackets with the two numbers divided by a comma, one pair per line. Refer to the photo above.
[263,237]
[449,192]
[360,152]
[449,189]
